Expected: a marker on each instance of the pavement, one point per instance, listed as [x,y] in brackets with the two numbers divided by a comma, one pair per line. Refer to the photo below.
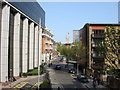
[22,82]
[89,85]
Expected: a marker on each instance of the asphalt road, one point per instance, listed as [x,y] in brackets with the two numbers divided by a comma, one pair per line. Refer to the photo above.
[62,77]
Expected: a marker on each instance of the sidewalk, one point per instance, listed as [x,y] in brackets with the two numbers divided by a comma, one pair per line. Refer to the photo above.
[12,84]
[54,83]
[90,85]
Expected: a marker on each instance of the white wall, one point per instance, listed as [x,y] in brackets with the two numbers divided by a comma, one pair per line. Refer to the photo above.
[36,58]
[31,44]
[4,43]
[25,46]
[16,45]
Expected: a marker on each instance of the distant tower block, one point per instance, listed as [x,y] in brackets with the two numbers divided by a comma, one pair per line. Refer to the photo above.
[68,39]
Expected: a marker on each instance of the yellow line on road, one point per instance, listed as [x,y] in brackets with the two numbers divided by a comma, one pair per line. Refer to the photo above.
[36,84]
[20,85]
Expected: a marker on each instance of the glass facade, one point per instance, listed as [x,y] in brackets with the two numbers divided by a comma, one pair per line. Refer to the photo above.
[32,10]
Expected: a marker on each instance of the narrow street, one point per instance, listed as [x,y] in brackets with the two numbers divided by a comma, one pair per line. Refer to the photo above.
[61,78]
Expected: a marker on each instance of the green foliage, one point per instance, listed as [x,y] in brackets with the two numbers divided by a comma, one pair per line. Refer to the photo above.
[35,71]
[113,72]
[45,84]
[24,74]
[74,52]
[110,46]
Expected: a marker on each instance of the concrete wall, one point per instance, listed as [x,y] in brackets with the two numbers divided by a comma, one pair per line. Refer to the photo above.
[16,45]
[25,45]
[31,40]
[36,47]
[4,43]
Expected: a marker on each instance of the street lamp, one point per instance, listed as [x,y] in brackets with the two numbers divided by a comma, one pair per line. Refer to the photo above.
[38,75]
[77,66]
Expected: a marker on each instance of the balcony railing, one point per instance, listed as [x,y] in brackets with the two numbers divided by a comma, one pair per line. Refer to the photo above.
[97,66]
[43,34]
[97,55]
[97,36]
[48,48]
[94,45]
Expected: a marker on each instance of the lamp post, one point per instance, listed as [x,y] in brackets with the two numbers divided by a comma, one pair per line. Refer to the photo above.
[77,68]
[77,65]
[38,75]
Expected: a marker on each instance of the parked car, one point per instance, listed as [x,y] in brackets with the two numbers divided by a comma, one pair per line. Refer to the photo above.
[72,71]
[82,78]
[57,67]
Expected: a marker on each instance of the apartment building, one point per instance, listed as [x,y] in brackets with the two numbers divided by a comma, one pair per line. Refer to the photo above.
[20,37]
[90,34]
[47,45]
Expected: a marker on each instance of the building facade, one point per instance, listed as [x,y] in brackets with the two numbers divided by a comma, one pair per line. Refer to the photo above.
[76,35]
[90,35]
[47,45]
[20,37]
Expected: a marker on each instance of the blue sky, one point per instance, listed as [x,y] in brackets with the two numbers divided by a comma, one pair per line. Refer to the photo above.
[64,17]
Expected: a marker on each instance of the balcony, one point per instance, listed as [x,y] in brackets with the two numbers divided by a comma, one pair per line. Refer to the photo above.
[51,43]
[46,35]
[48,48]
[94,45]
[97,66]
[47,42]
[98,36]
[96,55]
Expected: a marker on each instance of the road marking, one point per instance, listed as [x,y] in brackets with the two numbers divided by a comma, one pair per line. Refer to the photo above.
[35,86]
[20,85]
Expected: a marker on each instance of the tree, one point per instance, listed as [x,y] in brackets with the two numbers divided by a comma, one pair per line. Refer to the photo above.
[110,48]
[79,52]
[64,50]
[74,52]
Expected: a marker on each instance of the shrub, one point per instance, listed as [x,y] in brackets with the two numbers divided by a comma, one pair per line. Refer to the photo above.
[35,71]
[44,84]
[24,74]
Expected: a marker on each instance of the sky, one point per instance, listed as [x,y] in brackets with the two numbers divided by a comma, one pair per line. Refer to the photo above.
[64,17]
